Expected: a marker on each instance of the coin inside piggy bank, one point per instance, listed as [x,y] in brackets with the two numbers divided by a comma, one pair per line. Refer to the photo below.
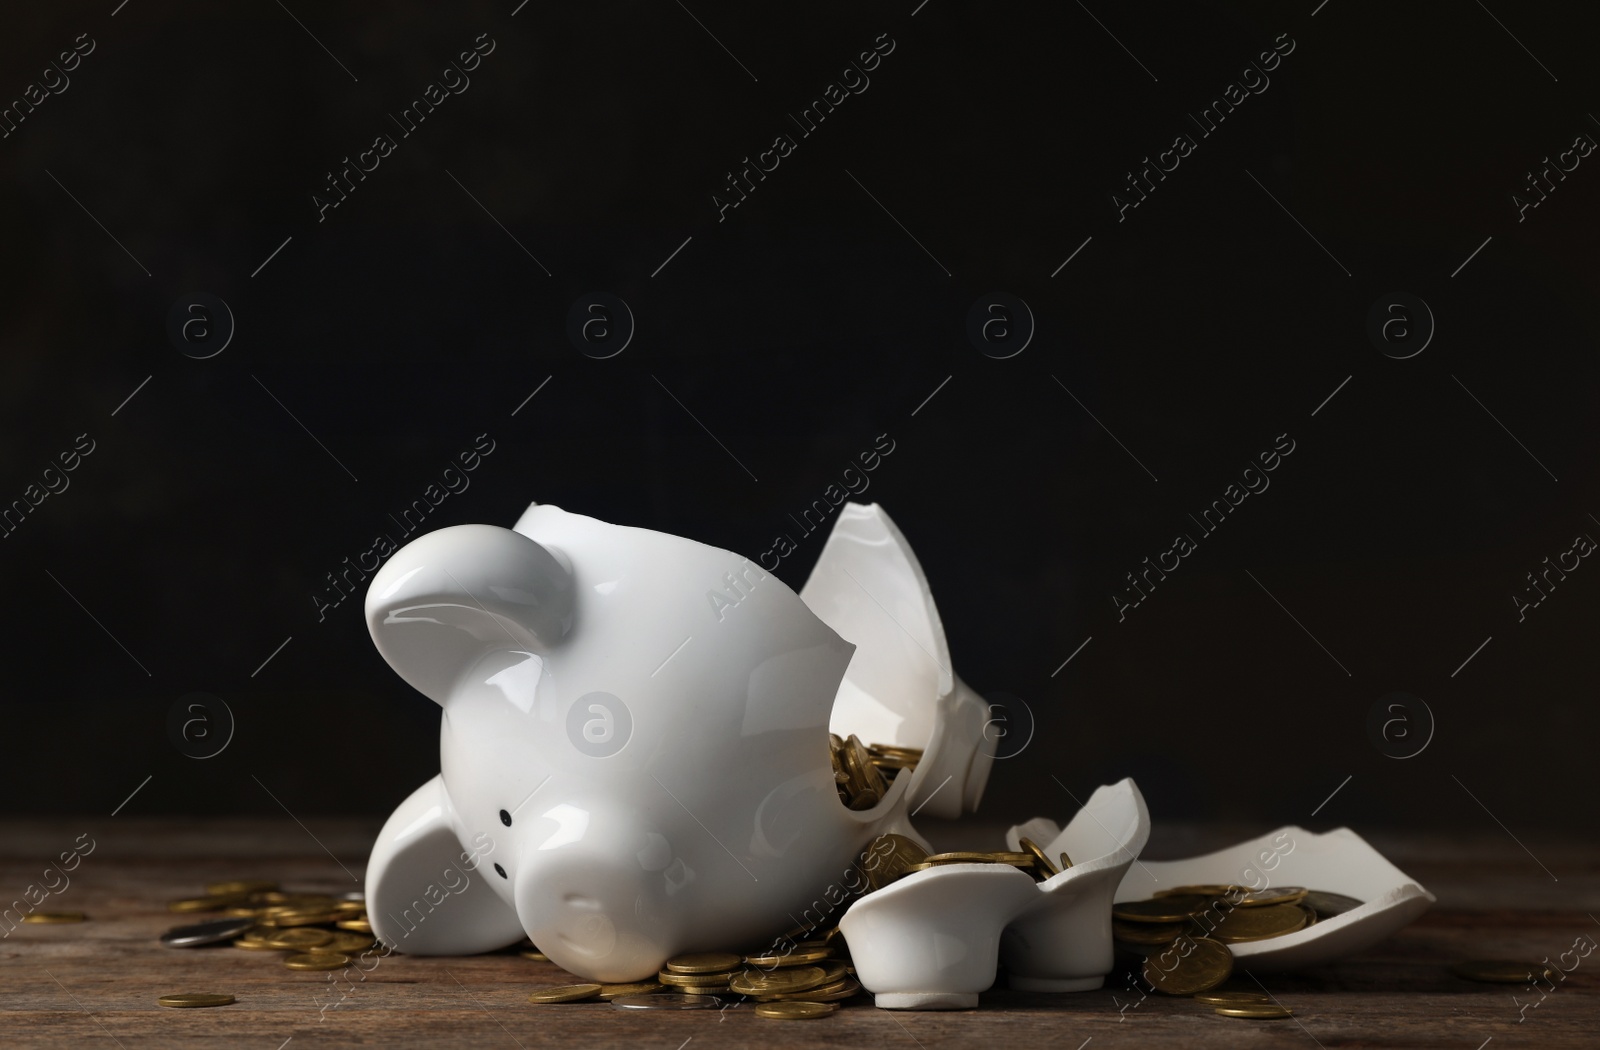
[634,743]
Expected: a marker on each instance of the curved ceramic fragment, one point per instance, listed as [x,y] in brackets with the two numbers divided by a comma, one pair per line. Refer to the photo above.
[900,687]
[932,940]
[1338,861]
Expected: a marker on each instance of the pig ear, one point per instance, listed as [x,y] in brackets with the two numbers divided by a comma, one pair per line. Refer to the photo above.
[447,599]
[426,895]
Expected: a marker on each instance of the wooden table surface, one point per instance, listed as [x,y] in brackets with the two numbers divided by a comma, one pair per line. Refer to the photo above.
[95,983]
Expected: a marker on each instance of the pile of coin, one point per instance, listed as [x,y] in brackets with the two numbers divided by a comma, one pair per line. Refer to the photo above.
[1184,933]
[318,931]
[863,772]
[808,980]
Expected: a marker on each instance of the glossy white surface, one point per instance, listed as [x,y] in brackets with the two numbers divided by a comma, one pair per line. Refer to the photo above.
[650,715]
[868,586]
[1338,861]
[932,939]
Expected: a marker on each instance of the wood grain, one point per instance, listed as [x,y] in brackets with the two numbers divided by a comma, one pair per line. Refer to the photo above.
[96,983]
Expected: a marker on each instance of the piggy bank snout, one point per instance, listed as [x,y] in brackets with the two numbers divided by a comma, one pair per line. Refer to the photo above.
[597,904]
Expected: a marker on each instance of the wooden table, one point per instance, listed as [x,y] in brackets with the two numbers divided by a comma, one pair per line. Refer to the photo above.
[96,983]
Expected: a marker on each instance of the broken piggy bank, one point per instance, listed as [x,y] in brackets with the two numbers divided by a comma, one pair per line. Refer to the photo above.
[634,751]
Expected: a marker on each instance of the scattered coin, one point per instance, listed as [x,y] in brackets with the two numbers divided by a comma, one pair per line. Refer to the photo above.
[205,933]
[297,940]
[665,1001]
[794,1011]
[361,925]
[609,992]
[212,902]
[185,1000]
[1066,861]
[51,918]
[1190,965]
[534,954]
[797,957]
[1500,971]
[288,916]
[698,981]
[339,943]
[564,993]
[704,962]
[254,943]
[841,989]
[797,979]
[1256,1011]
[1224,998]
[309,961]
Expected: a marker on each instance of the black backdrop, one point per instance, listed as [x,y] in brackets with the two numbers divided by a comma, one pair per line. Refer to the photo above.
[1183,338]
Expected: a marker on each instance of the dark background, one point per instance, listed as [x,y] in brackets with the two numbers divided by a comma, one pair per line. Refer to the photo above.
[806,324]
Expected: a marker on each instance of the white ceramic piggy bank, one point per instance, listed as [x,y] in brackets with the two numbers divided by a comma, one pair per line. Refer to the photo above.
[634,746]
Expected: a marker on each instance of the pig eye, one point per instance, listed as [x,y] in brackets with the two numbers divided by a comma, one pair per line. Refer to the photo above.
[505,818]
[500,871]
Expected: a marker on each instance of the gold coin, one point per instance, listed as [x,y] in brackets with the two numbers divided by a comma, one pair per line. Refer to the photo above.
[694,980]
[357,925]
[286,916]
[1281,895]
[1190,965]
[340,943]
[1256,1011]
[1226,998]
[317,962]
[1174,908]
[866,782]
[609,992]
[1146,932]
[184,1000]
[840,989]
[1500,971]
[890,857]
[243,911]
[54,917]
[1327,905]
[895,751]
[214,902]
[254,944]
[298,940]
[971,857]
[704,962]
[1066,861]
[798,957]
[526,953]
[1260,922]
[1040,859]
[1208,889]
[564,993]
[794,1011]
[798,979]
[233,886]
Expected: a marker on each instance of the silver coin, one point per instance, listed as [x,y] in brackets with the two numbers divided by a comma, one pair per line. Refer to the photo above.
[204,933]
[665,1001]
